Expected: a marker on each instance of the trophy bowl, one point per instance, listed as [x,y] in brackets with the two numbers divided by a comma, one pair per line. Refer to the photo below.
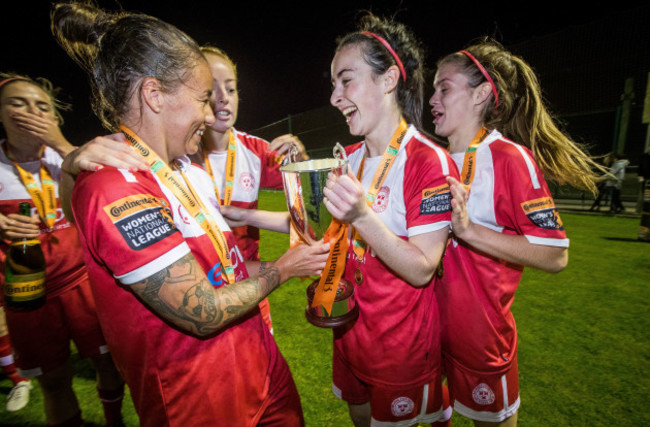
[303,188]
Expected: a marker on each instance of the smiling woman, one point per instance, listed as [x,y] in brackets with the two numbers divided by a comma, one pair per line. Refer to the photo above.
[386,364]
[178,304]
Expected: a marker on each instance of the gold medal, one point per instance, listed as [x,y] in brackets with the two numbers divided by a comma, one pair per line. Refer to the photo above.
[358,277]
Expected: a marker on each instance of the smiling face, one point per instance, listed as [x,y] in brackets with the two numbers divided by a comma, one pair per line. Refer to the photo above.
[188,112]
[26,98]
[225,100]
[356,91]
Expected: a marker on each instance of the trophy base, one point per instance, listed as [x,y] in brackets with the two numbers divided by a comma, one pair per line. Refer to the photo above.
[344,309]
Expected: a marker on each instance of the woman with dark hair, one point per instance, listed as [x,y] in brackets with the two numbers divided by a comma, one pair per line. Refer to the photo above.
[504,217]
[396,201]
[178,305]
[30,170]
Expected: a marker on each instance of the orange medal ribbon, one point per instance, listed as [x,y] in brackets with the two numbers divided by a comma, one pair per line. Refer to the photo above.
[358,244]
[45,199]
[469,161]
[188,198]
[230,170]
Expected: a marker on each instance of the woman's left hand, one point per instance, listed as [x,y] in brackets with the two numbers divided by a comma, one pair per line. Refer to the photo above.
[283,143]
[345,197]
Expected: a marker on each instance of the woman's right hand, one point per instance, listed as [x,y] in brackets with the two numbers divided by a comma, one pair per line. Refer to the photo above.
[14,226]
[110,150]
[303,260]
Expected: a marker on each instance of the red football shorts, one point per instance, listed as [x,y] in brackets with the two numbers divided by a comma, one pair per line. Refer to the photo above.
[388,405]
[483,396]
[41,338]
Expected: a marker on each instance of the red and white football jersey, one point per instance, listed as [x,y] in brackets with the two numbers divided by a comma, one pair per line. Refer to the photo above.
[508,195]
[395,340]
[255,167]
[132,227]
[61,248]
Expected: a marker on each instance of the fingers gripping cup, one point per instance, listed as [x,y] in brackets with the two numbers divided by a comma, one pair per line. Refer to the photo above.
[330,298]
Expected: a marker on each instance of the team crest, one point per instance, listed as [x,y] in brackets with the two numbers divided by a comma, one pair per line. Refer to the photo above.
[247,182]
[402,406]
[542,213]
[381,201]
[483,394]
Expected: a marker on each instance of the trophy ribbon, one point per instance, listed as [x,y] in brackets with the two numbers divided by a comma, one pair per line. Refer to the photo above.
[337,235]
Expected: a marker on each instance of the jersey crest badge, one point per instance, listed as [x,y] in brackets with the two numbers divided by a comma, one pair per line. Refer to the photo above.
[542,213]
[483,394]
[435,200]
[247,182]
[401,406]
[381,201]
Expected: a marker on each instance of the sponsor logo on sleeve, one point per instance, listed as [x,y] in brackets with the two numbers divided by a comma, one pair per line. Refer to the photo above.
[142,220]
[542,213]
[435,200]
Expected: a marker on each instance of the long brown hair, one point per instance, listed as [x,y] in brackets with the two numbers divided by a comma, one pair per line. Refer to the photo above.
[522,116]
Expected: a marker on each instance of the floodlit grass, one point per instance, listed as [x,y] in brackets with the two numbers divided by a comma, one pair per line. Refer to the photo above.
[584,334]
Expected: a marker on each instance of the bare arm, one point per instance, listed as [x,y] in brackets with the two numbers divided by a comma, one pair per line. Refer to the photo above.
[110,150]
[512,248]
[182,294]
[414,260]
[268,220]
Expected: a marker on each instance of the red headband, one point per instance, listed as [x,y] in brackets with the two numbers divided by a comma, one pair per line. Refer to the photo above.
[485,74]
[5,81]
[390,49]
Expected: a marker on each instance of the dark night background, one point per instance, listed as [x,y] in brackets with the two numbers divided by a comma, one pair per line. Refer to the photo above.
[283,50]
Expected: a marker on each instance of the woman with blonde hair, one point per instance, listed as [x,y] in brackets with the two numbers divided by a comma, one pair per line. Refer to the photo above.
[488,104]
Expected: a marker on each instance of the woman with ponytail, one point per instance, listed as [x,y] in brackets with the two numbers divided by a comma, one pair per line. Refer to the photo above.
[386,363]
[488,104]
[177,303]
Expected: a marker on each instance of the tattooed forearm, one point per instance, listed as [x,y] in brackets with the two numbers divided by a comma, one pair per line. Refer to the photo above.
[182,294]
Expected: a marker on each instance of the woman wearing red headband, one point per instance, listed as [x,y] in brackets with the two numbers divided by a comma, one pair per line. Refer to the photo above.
[30,170]
[504,217]
[386,364]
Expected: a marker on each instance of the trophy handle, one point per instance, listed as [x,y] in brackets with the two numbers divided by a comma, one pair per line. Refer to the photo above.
[291,155]
[339,153]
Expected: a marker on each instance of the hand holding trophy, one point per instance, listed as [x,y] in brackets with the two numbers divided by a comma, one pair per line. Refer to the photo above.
[330,298]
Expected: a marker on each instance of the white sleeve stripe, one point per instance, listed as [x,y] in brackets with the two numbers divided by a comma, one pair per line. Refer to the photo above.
[128,176]
[439,151]
[427,228]
[531,167]
[545,241]
[154,266]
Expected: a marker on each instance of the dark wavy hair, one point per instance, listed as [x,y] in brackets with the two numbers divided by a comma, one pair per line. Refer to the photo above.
[119,50]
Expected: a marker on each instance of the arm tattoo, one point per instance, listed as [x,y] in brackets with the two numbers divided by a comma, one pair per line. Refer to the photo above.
[182,294]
